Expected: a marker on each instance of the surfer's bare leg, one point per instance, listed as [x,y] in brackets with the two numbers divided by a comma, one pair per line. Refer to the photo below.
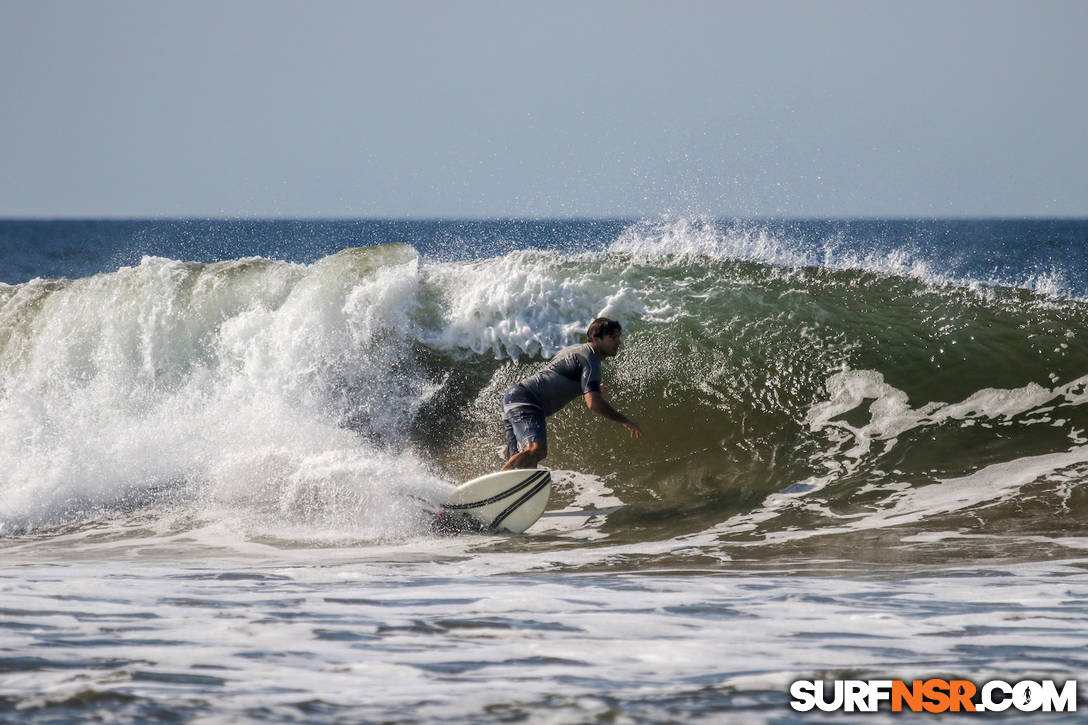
[533,453]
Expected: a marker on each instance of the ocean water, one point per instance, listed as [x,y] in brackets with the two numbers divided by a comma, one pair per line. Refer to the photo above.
[865,458]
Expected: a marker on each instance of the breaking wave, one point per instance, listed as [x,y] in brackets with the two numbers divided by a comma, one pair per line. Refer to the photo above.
[789,393]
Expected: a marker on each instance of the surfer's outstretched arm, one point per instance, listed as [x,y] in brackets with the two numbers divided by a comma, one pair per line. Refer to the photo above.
[600,406]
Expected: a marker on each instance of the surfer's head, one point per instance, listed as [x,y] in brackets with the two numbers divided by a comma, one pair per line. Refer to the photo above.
[604,336]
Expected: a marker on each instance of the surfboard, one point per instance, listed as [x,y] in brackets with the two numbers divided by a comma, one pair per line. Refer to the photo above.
[509,501]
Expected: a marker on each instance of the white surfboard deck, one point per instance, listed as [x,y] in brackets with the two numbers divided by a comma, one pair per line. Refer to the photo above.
[505,501]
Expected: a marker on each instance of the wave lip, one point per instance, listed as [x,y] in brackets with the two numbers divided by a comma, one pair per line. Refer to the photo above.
[877,247]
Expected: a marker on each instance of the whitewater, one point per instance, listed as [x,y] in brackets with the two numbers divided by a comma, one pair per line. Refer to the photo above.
[865,457]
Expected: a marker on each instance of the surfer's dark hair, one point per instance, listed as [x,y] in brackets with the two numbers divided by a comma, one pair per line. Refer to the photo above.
[602,327]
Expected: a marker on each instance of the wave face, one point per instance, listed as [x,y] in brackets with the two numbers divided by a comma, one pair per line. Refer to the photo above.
[801,399]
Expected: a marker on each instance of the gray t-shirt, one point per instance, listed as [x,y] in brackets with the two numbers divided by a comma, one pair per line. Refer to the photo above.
[574,371]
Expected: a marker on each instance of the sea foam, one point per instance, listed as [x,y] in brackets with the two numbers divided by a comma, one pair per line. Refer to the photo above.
[232,384]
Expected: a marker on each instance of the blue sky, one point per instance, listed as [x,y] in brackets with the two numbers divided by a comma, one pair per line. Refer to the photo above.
[557,109]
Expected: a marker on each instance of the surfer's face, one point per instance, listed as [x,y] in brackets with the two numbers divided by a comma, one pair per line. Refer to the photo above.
[609,345]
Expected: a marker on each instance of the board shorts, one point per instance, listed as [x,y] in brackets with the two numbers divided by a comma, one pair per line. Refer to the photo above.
[524,422]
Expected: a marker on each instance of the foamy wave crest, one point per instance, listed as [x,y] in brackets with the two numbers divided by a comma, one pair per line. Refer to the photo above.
[687,240]
[526,303]
[703,237]
[238,382]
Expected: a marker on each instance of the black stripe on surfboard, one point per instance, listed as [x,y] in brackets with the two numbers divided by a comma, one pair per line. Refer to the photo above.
[499,496]
[517,504]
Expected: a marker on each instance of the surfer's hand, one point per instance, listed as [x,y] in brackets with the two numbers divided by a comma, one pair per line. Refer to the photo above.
[633,428]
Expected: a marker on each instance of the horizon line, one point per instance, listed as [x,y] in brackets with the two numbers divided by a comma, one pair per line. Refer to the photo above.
[540,219]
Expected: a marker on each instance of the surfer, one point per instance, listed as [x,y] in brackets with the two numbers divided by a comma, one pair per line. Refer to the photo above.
[574,371]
